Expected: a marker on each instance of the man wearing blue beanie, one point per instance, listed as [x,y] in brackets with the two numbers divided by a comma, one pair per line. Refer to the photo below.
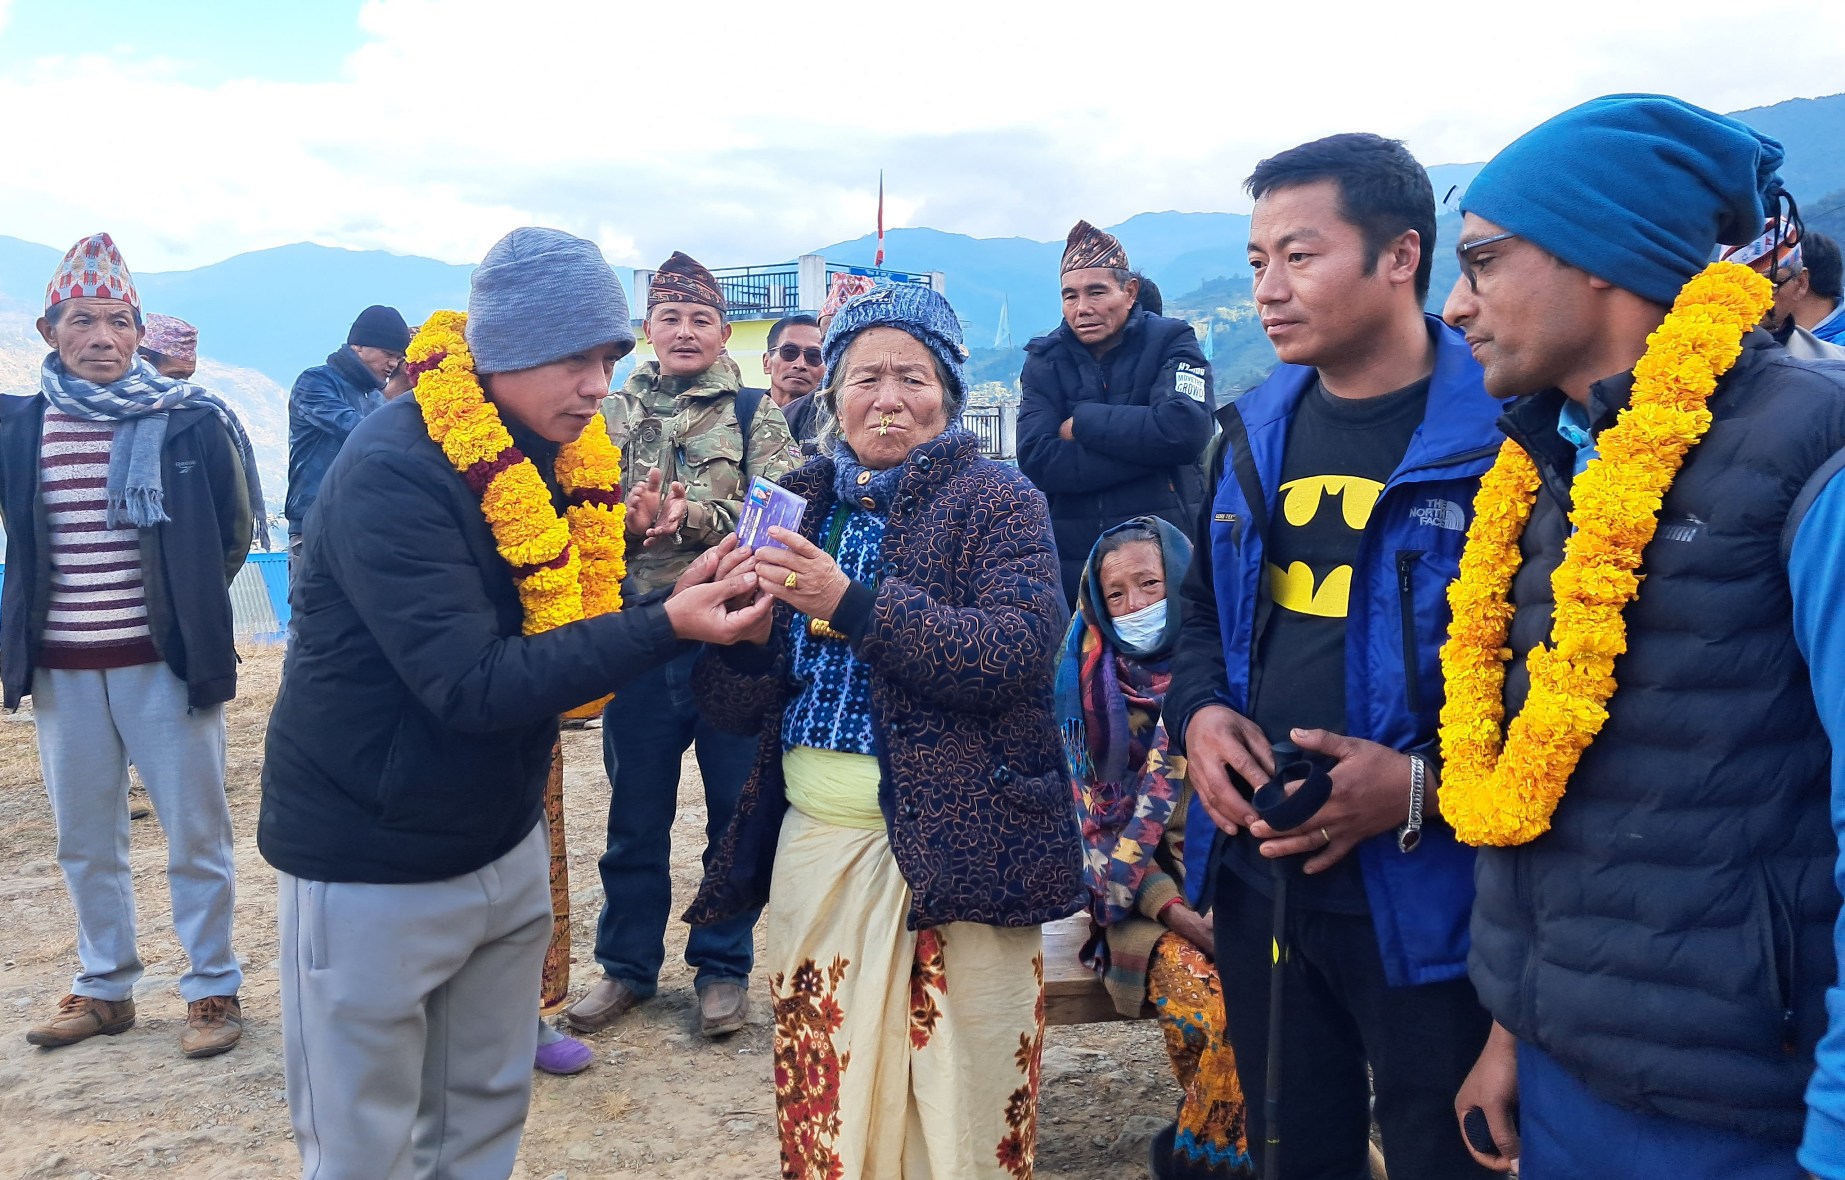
[1655,904]
[408,749]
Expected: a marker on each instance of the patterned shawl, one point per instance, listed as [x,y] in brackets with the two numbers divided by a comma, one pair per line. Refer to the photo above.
[1115,748]
[138,404]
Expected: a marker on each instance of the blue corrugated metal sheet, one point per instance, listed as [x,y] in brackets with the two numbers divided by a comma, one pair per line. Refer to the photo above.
[259,598]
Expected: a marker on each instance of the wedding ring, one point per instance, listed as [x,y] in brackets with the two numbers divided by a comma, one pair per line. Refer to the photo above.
[1324,836]
[791,579]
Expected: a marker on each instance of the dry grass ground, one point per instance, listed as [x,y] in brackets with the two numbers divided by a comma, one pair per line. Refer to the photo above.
[658,1101]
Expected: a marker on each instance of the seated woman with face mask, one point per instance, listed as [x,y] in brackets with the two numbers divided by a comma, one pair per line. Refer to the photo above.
[1147,944]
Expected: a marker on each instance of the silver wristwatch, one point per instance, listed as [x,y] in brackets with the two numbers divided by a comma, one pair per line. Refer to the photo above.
[1410,834]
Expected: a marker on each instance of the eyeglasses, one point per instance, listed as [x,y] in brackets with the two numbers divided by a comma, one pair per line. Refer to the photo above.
[1462,251]
[794,352]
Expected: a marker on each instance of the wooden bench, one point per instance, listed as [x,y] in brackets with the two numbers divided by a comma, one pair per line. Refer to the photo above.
[1073,994]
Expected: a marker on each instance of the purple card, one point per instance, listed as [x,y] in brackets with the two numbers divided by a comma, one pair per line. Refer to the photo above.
[768,504]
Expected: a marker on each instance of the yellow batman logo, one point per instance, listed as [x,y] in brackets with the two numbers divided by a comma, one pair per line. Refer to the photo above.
[1358,497]
[1293,589]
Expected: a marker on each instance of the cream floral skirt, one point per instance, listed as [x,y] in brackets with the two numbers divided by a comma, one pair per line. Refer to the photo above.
[899,1055]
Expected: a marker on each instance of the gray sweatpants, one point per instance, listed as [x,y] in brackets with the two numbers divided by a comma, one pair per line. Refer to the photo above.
[91,725]
[407,1024]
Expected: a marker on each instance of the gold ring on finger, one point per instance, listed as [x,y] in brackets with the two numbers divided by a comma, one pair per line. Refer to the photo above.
[791,580]
[1324,835]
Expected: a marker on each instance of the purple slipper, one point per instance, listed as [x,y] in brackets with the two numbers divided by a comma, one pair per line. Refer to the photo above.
[564,1056]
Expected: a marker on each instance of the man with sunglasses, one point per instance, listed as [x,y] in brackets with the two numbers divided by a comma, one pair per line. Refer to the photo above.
[1780,256]
[685,416]
[795,369]
[1313,613]
[1115,406]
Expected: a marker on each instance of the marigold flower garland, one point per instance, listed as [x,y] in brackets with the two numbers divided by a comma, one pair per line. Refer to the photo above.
[1500,784]
[566,568]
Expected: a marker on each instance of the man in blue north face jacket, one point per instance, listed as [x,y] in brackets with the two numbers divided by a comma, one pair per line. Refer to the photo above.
[1314,612]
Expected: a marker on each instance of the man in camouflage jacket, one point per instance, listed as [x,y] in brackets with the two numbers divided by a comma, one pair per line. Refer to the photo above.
[677,416]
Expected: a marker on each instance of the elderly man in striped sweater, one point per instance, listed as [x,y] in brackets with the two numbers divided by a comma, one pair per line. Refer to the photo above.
[128,499]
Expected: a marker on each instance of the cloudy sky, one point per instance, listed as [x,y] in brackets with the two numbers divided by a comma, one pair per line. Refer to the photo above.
[196,129]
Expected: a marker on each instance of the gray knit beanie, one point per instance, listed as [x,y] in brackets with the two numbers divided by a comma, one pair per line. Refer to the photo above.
[540,295]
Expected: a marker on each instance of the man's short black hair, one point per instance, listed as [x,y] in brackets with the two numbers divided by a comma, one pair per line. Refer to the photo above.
[1382,190]
[789,321]
[1821,255]
[1149,299]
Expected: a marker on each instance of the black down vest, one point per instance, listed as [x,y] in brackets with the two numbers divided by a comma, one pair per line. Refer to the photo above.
[1669,940]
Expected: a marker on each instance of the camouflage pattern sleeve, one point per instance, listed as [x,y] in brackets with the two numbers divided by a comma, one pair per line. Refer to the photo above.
[638,417]
[712,465]
[773,450]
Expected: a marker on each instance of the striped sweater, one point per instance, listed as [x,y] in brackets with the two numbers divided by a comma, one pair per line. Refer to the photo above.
[96,614]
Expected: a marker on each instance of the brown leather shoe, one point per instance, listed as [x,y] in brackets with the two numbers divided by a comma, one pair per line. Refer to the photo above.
[213,1026]
[602,1005]
[723,1008]
[81,1017]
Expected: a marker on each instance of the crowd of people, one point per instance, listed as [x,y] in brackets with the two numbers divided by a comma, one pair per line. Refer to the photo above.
[1437,739]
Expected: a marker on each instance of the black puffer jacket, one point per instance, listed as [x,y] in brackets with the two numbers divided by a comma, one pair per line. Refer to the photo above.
[1669,940]
[1140,418]
[187,563]
[413,730]
[961,637]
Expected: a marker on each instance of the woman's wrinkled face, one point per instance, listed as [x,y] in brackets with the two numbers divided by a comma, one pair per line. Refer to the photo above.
[891,399]
[1133,578]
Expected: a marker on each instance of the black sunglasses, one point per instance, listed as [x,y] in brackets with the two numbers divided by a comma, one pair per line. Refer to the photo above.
[794,352]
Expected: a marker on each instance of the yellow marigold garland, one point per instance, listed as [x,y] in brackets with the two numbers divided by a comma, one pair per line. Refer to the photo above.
[566,568]
[1500,784]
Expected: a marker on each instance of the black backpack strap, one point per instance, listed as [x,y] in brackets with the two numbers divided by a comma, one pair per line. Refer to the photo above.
[1804,502]
[746,403]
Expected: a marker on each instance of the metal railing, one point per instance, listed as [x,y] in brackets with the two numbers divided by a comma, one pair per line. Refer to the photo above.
[760,292]
[770,292]
[988,425]
[890,276]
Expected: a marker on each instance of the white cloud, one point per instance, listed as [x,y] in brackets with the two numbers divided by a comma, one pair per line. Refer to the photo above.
[745,133]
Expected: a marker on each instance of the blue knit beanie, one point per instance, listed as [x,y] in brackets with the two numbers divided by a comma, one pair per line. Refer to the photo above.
[540,295]
[909,307]
[1636,189]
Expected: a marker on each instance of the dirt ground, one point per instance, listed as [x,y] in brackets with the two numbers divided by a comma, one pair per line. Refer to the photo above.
[658,1100]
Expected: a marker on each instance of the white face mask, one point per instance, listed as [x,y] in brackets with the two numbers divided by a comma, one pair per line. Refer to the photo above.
[1141,630]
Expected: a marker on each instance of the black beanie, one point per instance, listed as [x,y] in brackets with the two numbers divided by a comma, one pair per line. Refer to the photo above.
[380,327]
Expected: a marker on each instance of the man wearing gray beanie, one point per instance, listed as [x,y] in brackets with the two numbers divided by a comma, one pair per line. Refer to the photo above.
[410,742]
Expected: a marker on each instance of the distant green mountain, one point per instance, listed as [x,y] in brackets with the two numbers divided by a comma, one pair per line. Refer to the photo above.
[1812,130]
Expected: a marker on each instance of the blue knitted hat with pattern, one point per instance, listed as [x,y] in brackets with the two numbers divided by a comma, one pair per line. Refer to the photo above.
[910,307]
[1636,189]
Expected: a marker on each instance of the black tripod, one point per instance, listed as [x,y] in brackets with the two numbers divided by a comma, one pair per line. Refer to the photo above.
[1284,810]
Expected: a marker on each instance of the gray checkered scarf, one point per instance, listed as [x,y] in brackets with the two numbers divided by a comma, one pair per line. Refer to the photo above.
[138,405]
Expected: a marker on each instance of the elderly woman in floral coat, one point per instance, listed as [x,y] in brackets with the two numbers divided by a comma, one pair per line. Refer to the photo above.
[907,819]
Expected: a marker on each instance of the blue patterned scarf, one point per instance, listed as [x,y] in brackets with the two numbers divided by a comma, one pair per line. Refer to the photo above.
[138,403]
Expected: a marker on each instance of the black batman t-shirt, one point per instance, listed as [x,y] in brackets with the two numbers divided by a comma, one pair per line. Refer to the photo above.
[1340,453]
